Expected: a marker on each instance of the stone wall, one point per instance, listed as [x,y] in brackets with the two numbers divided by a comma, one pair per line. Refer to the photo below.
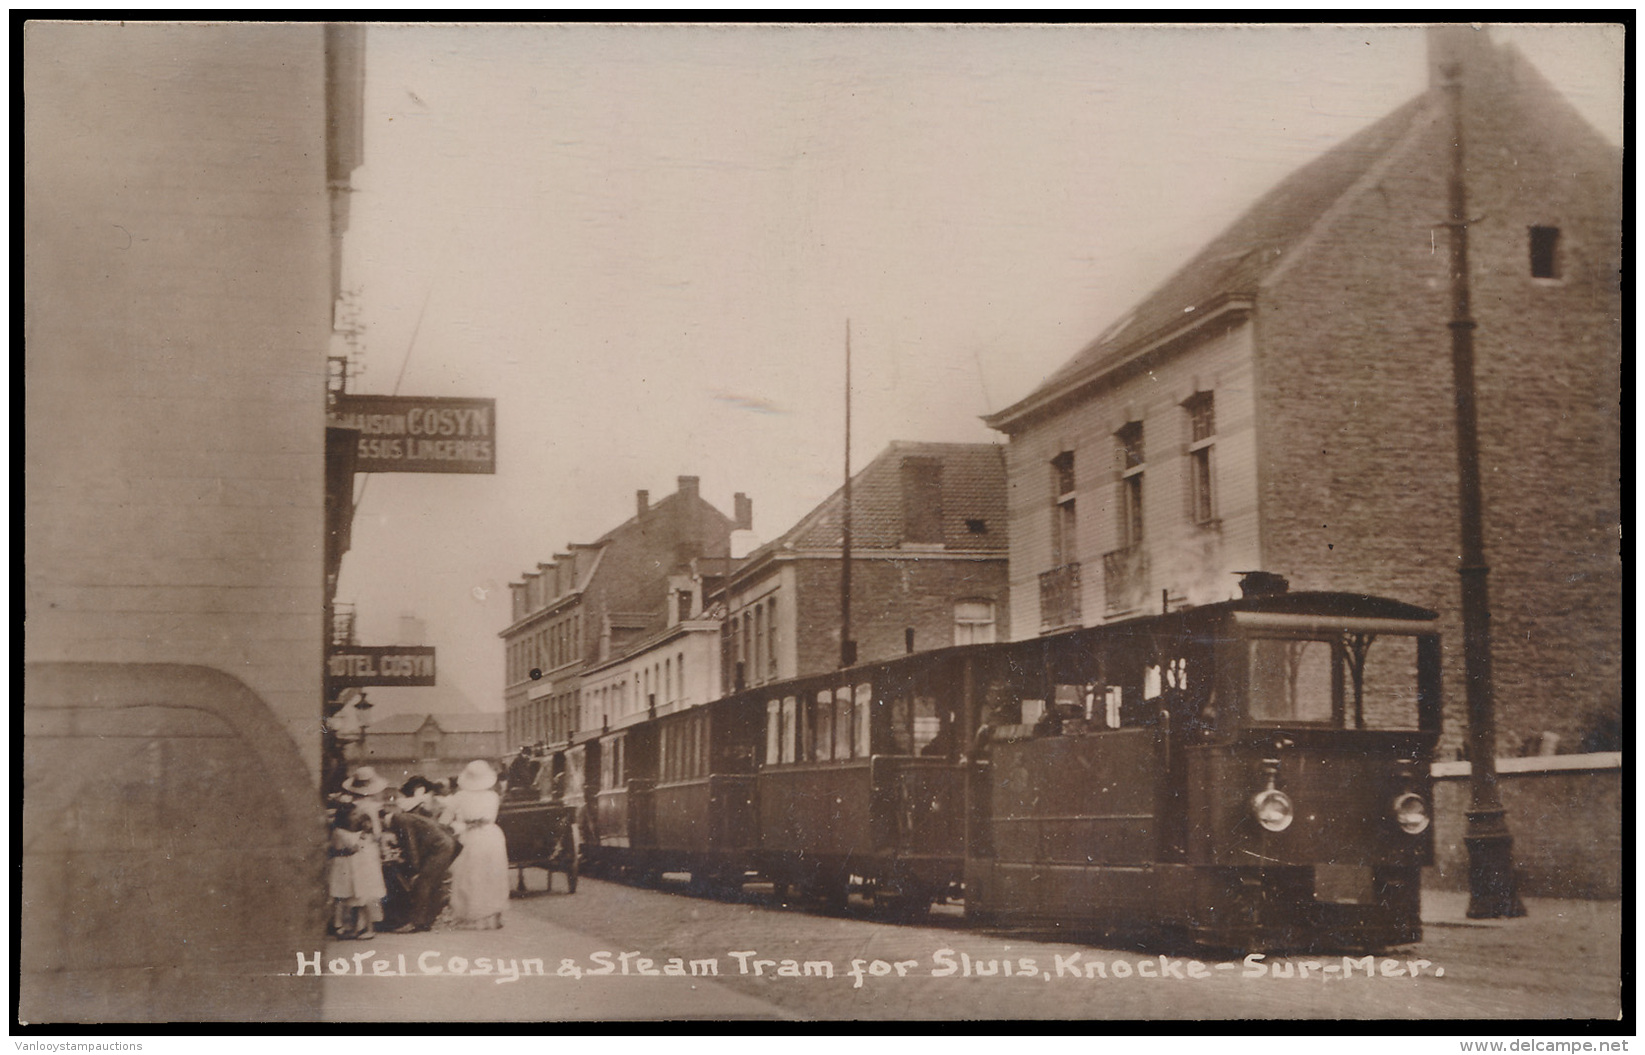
[1564,811]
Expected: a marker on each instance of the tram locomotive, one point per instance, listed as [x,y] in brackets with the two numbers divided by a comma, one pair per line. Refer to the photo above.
[1248,774]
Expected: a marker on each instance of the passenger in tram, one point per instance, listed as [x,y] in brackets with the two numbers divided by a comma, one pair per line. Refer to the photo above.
[941,745]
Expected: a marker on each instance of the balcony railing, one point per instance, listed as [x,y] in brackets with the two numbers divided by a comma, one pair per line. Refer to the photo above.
[1060,597]
[342,625]
[1125,578]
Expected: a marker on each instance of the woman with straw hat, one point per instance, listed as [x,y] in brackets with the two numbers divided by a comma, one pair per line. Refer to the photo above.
[479,875]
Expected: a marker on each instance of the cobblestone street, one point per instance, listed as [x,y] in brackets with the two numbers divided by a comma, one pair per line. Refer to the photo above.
[598,949]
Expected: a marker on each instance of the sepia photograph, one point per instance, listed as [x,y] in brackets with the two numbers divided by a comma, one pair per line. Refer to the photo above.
[609,522]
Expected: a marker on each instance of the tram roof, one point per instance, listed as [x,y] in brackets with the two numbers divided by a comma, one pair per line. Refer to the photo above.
[1302,602]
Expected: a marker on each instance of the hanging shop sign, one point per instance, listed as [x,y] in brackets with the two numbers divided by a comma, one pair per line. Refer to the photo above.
[419,434]
[361,665]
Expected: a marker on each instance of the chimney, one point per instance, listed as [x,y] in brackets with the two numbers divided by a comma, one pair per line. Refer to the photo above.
[744,508]
[686,486]
[1463,44]
[413,631]
[642,502]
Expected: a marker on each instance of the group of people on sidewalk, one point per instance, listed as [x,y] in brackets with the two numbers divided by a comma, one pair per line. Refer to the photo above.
[395,864]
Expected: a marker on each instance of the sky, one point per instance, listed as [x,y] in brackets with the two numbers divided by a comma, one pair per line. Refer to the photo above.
[646,243]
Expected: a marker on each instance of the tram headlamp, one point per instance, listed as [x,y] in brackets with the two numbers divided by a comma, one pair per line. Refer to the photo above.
[1412,813]
[1273,810]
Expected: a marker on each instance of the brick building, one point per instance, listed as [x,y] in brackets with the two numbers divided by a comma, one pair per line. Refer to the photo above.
[599,601]
[436,746]
[928,566]
[185,194]
[669,670]
[1285,402]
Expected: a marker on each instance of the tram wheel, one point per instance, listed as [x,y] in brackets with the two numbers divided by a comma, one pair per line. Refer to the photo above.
[726,886]
[834,893]
[907,905]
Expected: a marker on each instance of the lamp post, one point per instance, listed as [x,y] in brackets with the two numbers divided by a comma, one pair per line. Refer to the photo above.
[362,711]
[1492,886]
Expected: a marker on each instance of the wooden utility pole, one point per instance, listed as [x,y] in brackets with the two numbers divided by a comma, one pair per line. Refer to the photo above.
[848,647]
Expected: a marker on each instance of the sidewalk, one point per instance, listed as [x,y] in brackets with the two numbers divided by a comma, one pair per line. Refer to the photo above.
[1552,931]
[1449,908]
[384,994]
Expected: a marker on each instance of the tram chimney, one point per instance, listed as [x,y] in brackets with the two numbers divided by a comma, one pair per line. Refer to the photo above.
[1262,583]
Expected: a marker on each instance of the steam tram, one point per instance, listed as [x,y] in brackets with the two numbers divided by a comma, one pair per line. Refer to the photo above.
[1249,774]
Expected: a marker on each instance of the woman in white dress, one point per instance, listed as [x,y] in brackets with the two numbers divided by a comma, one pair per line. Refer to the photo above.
[479,875]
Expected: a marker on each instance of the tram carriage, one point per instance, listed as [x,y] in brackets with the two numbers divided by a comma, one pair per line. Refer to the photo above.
[1252,773]
[861,774]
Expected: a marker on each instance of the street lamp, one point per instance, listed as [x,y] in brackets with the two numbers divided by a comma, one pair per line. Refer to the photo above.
[1493,890]
[362,712]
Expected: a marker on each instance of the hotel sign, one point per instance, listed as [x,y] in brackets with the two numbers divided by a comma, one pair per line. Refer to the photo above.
[359,665]
[419,434]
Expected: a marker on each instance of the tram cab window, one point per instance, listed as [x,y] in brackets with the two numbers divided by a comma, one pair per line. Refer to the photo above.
[1384,694]
[1354,680]
[1290,680]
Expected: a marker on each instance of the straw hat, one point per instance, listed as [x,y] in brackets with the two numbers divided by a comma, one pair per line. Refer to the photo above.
[365,781]
[477,776]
